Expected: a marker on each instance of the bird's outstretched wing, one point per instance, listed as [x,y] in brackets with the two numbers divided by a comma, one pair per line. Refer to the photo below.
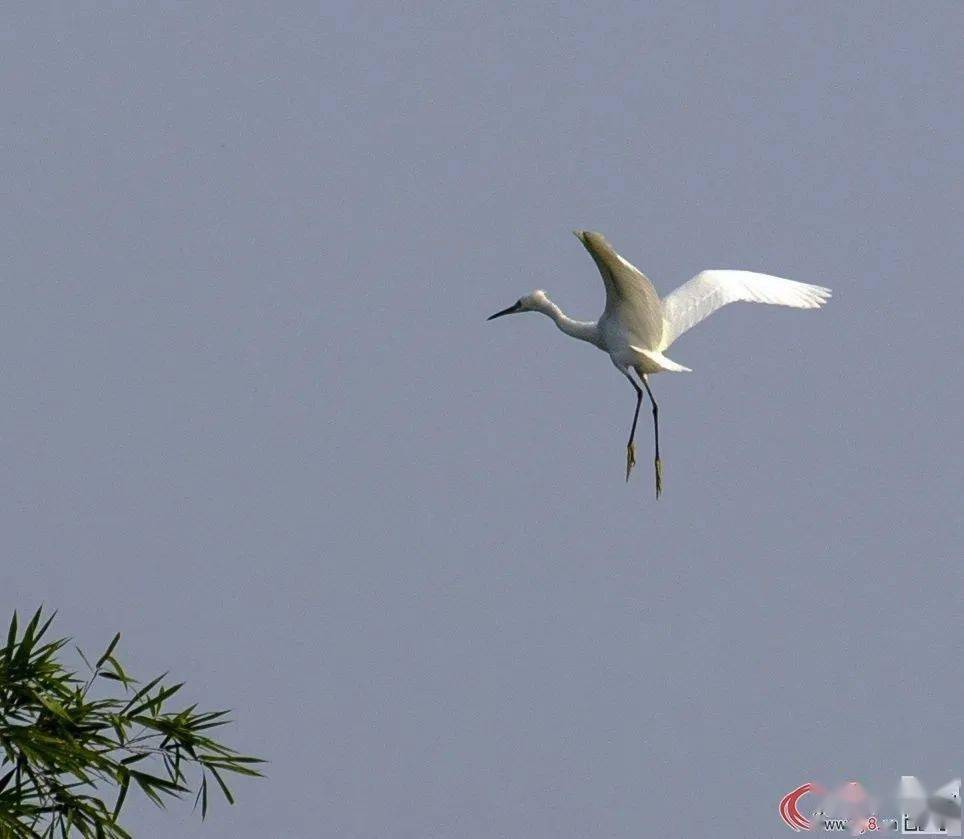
[630,295]
[710,290]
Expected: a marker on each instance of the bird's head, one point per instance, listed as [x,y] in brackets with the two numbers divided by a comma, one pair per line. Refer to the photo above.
[533,302]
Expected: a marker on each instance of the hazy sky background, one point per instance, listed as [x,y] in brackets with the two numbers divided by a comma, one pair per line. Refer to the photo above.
[255,420]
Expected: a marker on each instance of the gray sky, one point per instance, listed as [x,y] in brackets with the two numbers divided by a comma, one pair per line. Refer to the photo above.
[255,420]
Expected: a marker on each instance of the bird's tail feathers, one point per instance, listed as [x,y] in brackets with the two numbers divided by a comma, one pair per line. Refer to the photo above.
[659,362]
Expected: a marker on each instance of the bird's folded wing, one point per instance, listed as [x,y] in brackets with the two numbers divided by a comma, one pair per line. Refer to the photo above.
[630,295]
[710,290]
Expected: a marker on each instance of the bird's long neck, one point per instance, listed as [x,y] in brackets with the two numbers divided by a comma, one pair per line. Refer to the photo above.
[584,330]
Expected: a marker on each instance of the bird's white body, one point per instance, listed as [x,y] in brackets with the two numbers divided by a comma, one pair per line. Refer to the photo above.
[619,340]
[636,327]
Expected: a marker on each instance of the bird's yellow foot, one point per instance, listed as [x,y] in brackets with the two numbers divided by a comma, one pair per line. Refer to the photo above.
[659,477]
[630,459]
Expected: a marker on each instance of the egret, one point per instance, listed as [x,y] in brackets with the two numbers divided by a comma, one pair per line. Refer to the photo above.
[636,327]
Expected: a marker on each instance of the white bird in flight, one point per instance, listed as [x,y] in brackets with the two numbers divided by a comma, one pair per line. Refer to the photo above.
[636,327]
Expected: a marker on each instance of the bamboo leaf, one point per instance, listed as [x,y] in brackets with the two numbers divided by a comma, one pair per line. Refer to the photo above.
[11,637]
[122,793]
[26,642]
[141,693]
[83,658]
[43,630]
[65,749]
[6,779]
[224,786]
[202,796]
[110,649]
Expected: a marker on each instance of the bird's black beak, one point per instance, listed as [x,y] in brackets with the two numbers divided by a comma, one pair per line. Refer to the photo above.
[515,307]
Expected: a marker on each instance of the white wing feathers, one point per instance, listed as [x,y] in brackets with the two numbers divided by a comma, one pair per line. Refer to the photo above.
[710,290]
[630,296]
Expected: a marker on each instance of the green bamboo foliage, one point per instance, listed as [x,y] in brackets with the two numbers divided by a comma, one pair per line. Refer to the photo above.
[72,746]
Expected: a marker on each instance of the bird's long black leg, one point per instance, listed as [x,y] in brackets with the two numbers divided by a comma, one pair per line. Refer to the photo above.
[631,446]
[658,464]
